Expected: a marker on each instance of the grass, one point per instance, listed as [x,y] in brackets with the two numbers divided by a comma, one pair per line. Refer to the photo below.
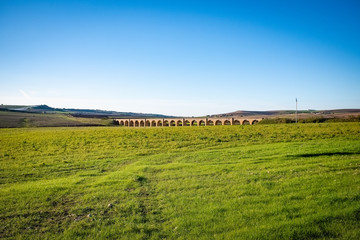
[294,181]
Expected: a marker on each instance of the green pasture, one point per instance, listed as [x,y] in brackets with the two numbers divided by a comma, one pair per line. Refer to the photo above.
[284,181]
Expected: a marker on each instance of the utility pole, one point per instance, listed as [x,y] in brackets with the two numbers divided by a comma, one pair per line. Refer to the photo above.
[296,110]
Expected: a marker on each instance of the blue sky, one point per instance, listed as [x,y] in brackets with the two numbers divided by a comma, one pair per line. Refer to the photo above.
[180,57]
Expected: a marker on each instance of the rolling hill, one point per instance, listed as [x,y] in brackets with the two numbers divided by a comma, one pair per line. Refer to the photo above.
[44,116]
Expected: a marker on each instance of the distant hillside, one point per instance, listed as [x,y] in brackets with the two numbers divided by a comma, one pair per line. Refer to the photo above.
[45,116]
[303,116]
[14,116]
[14,119]
[252,113]
[279,113]
[87,113]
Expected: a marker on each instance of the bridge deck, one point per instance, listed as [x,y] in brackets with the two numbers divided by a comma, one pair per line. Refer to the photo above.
[172,122]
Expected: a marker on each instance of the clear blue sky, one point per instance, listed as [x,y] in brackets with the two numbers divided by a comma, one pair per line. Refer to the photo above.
[181,57]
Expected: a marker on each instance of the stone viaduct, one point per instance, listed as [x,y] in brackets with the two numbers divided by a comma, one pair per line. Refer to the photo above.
[172,122]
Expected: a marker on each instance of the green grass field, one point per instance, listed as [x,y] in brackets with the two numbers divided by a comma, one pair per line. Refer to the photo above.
[286,181]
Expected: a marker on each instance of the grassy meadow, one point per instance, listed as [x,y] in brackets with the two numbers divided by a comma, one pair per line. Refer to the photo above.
[285,181]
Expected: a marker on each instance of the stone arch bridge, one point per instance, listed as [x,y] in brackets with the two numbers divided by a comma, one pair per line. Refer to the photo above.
[177,122]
